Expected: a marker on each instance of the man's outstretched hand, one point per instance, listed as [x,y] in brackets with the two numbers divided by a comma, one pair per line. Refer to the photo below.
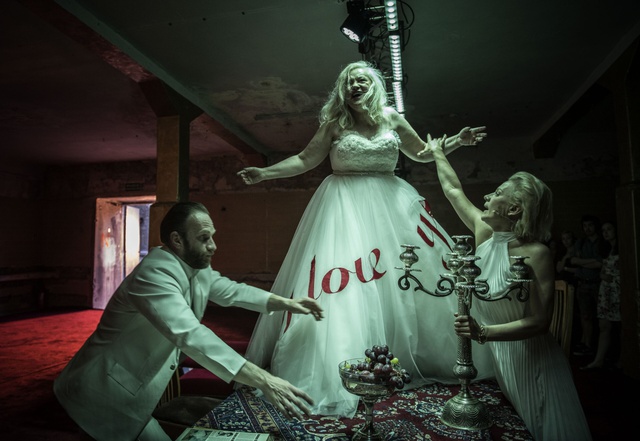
[288,399]
[301,305]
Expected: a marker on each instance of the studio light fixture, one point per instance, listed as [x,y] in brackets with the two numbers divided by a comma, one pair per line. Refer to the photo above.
[381,31]
[360,20]
[356,26]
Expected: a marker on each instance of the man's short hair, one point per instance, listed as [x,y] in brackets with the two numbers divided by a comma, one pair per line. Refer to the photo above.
[591,218]
[176,218]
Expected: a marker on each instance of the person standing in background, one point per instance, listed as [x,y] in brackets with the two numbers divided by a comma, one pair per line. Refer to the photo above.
[587,261]
[564,271]
[608,309]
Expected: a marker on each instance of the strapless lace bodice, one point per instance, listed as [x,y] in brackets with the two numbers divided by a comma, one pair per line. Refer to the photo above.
[354,153]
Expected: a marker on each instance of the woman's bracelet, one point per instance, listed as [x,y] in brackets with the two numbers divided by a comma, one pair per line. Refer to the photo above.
[482,335]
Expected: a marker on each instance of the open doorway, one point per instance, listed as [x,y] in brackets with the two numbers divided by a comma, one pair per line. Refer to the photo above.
[121,240]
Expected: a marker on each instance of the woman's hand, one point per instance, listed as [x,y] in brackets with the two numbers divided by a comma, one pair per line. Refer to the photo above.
[472,136]
[605,276]
[466,326]
[432,145]
[251,175]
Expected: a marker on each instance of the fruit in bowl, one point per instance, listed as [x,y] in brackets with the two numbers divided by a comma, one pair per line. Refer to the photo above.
[379,373]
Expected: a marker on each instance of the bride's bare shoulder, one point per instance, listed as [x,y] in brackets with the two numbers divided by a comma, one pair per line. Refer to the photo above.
[391,114]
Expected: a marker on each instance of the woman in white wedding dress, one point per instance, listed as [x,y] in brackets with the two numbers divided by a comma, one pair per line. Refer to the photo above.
[346,249]
[530,366]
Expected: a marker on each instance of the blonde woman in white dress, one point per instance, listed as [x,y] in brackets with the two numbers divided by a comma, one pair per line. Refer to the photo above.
[346,249]
[531,368]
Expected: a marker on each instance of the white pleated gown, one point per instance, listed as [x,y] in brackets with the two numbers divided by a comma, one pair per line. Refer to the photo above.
[344,254]
[534,373]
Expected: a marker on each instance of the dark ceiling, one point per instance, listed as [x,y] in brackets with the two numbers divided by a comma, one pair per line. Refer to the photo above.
[74,71]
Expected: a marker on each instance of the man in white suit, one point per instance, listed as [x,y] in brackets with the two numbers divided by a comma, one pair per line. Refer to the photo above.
[114,382]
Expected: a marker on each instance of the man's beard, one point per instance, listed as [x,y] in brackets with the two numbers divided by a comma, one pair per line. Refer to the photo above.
[195,259]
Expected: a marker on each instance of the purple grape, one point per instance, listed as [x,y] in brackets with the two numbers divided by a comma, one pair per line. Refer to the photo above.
[397,382]
[368,353]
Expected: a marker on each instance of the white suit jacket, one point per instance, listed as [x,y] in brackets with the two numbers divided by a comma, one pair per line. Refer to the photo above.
[111,386]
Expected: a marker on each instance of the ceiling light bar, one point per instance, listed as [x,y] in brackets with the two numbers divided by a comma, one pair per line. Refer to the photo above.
[397,94]
[395,47]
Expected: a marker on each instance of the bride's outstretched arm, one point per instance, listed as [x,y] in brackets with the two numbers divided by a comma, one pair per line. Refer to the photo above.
[415,148]
[313,154]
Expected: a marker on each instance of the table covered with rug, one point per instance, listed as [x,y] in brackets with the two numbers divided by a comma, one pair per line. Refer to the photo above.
[408,415]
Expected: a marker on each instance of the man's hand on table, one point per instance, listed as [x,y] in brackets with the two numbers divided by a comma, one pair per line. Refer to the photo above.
[288,399]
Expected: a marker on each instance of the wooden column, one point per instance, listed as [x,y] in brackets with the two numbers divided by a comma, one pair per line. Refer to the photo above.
[172,172]
[623,79]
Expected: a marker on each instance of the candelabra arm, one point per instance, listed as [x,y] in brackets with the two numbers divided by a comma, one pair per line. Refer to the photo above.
[446,285]
[520,289]
[404,283]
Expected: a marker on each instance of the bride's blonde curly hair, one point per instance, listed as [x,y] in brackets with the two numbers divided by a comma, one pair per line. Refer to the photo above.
[336,110]
[536,201]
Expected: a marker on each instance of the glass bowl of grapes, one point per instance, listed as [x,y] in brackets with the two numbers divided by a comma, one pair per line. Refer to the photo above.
[374,377]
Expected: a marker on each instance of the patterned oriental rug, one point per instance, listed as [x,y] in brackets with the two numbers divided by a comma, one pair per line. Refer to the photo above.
[410,415]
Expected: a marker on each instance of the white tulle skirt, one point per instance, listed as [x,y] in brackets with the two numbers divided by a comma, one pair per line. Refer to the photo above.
[345,254]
